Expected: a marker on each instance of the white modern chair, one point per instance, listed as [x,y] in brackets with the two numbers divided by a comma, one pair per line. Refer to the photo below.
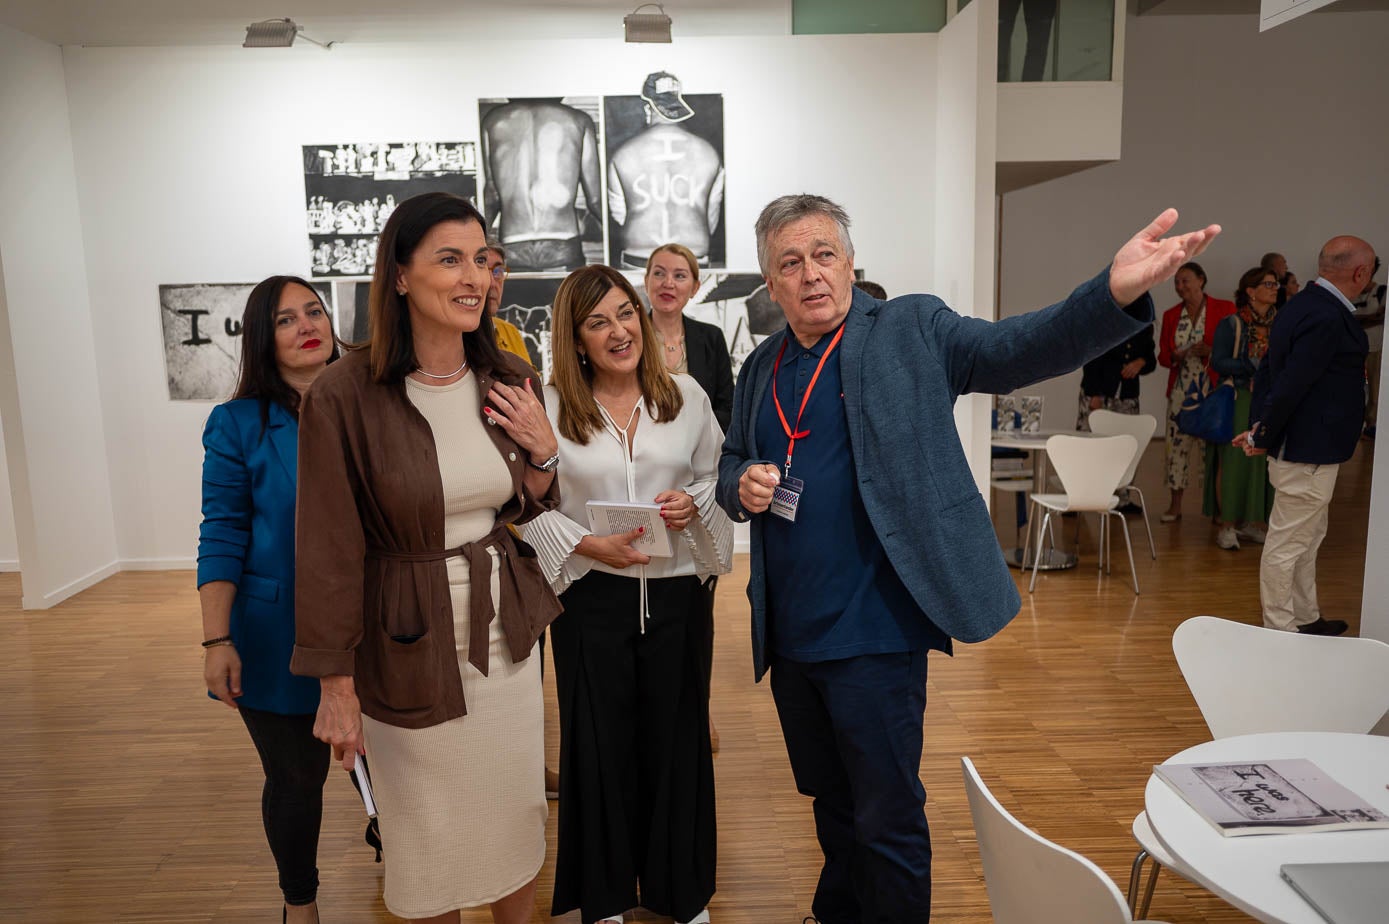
[1029,878]
[1248,679]
[1141,427]
[1090,469]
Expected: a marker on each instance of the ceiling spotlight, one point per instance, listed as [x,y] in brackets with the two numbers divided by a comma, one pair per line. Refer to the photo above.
[276,33]
[647,27]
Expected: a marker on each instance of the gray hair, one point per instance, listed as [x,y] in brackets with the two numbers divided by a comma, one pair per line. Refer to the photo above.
[495,246]
[788,209]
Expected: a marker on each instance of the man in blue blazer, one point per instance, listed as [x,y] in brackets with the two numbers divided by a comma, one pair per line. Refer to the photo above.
[1308,405]
[870,542]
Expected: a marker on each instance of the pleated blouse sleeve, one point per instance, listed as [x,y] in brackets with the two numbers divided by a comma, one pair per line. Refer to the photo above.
[555,537]
[710,537]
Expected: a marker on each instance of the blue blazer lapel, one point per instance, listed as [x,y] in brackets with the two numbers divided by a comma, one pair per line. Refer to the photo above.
[857,324]
[284,437]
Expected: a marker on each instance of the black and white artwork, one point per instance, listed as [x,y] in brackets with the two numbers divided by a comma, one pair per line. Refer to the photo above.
[351,189]
[542,181]
[665,172]
[202,337]
[350,316]
[526,302]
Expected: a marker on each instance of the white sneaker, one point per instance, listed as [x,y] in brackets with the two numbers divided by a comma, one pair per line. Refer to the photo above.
[1254,534]
[614,919]
[701,918]
[1227,539]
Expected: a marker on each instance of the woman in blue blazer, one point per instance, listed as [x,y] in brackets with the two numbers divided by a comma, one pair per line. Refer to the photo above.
[246,569]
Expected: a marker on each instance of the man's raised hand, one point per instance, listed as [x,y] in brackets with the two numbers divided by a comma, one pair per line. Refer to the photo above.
[1149,258]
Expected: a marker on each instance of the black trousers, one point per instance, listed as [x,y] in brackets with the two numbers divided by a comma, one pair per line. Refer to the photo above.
[853,733]
[1037,16]
[636,804]
[291,804]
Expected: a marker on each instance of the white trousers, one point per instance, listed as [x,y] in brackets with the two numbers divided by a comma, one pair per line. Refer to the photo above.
[1296,527]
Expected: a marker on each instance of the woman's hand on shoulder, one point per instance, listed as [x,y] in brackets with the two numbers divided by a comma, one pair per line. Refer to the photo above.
[519,412]
[616,550]
[677,509]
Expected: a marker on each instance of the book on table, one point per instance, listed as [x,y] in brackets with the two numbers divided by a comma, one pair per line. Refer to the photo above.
[1270,797]
[605,518]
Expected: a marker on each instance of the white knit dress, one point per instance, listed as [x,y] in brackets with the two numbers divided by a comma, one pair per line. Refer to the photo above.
[462,804]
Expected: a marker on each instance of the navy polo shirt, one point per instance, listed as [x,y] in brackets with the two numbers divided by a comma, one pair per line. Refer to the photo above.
[831,591]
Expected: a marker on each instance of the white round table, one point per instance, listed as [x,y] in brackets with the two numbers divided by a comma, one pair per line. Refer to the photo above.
[1245,870]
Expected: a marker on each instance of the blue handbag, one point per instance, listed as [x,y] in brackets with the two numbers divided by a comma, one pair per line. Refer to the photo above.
[1209,413]
[1206,413]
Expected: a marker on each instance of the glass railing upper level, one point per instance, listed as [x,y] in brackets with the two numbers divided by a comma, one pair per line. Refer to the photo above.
[1051,40]
[1054,40]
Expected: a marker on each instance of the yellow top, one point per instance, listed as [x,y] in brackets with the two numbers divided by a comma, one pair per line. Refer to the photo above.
[510,339]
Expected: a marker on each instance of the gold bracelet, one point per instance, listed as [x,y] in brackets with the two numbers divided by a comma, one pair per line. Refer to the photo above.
[218,642]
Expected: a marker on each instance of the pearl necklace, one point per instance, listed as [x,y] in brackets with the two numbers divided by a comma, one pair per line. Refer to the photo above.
[449,375]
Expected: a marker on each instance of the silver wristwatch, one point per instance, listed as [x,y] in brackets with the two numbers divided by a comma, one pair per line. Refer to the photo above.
[549,465]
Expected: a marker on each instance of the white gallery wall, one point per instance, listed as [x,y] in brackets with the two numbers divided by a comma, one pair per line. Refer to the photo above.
[9,541]
[1278,136]
[1374,607]
[966,141]
[189,170]
[51,396]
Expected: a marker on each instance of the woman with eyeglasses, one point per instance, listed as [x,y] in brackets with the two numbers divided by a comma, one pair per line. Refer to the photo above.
[1237,488]
[508,336]
[1188,330]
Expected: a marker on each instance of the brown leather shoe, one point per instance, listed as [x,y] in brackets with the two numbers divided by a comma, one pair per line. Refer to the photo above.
[1325,627]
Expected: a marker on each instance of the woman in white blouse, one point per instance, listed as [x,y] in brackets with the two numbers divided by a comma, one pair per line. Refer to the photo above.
[636,810]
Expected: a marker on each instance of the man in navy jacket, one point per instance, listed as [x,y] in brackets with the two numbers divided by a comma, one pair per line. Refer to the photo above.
[870,542]
[1308,405]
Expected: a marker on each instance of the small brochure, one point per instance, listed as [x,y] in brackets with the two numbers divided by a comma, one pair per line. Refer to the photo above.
[362,780]
[1270,797]
[606,518]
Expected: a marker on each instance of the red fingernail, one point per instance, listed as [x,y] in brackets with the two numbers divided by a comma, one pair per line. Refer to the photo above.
[487,411]
[641,529]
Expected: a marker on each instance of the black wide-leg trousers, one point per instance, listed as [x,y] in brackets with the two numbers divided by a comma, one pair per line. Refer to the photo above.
[636,806]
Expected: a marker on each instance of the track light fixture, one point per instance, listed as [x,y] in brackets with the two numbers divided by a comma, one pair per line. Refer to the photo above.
[647,27]
[277,33]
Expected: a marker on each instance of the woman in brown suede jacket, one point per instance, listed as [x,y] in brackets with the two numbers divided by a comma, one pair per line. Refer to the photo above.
[415,605]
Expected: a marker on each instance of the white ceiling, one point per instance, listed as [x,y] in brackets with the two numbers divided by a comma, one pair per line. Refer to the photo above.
[223,22]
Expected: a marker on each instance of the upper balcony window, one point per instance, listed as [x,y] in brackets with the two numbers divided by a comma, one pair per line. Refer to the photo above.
[1054,40]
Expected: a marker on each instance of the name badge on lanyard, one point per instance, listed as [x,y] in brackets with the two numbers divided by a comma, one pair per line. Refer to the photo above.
[786,496]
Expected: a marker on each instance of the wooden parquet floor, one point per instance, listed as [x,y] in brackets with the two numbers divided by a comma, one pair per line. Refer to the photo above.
[128,796]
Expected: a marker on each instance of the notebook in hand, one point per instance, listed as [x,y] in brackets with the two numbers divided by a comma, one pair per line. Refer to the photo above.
[606,518]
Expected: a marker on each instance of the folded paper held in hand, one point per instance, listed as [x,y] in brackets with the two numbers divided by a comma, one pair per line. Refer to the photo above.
[606,518]
[1270,797]
[362,780]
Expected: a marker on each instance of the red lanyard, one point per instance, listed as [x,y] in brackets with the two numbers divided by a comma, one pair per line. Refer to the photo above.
[798,433]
